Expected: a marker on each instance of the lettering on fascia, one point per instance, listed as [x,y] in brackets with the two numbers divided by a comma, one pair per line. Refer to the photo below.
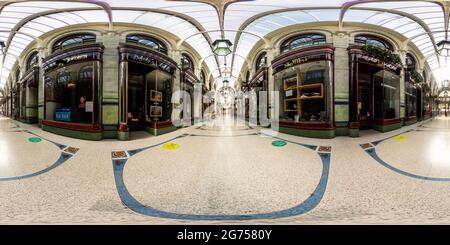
[379,62]
[76,58]
[144,59]
[299,61]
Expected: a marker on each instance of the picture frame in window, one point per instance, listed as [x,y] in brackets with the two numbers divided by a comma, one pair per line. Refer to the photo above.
[155,96]
[156,111]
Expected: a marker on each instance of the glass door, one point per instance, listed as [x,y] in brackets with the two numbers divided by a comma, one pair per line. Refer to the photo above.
[365,100]
[136,101]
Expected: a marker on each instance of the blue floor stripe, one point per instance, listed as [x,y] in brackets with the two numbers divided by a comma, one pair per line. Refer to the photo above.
[310,203]
[63,157]
[373,153]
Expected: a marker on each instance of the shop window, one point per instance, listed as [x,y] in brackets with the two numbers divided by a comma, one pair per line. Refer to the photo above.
[70,93]
[73,40]
[147,42]
[303,92]
[33,60]
[373,40]
[186,63]
[16,96]
[410,87]
[302,41]
[386,95]
[411,99]
[159,94]
[261,61]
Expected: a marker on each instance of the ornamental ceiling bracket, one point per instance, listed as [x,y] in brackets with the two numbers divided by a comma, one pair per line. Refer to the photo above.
[446,9]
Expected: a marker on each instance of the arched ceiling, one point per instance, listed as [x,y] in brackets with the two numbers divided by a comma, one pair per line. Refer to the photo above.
[243,22]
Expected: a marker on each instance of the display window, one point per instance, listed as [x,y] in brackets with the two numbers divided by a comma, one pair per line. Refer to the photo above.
[16,102]
[411,99]
[29,90]
[23,101]
[146,84]
[386,95]
[72,79]
[304,79]
[159,96]
[412,92]
[70,93]
[188,81]
[257,84]
[302,92]
[374,84]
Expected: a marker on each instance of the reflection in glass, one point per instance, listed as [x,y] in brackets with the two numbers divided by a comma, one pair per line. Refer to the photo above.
[411,99]
[159,96]
[386,95]
[69,93]
[303,95]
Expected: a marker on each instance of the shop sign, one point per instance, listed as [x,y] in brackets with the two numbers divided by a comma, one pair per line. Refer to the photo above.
[143,59]
[294,62]
[299,61]
[68,60]
[148,60]
[76,58]
[378,62]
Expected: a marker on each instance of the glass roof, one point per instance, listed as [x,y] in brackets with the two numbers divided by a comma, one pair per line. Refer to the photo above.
[198,23]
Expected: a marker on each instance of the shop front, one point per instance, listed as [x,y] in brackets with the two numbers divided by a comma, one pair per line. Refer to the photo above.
[413,92]
[427,108]
[188,83]
[374,91]
[15,102]
[259,83]
[29,96]
[73,85]
[145,90]
[305,82]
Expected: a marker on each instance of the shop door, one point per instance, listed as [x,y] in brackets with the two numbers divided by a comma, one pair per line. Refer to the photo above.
[136,116]
[419,104]
[365,100]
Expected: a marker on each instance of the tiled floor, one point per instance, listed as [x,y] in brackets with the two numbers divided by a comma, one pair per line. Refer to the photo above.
[226,174]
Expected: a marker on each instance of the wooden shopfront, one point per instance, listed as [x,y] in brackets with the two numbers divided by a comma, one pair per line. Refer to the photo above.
[305,82]
[374,86]
[146,80]
[73,85]
[29,96]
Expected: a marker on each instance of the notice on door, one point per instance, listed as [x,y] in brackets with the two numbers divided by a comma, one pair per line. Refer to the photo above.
[89,106]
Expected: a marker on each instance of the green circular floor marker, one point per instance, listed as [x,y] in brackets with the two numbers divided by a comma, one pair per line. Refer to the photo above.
[35,139]
[279,143]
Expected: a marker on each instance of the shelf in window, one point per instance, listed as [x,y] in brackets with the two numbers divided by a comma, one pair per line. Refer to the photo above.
[291,99]
[311,86]
[312,98]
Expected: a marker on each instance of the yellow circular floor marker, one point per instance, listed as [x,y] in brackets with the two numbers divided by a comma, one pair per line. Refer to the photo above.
[171,146]
[400,138]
